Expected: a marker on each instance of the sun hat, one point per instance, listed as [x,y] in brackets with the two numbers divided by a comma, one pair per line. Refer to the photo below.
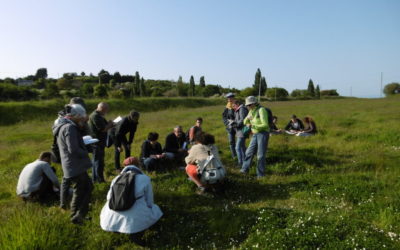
[230,95]
[250,100]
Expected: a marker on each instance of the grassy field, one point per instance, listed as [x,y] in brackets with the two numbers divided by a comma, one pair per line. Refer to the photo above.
[337,190]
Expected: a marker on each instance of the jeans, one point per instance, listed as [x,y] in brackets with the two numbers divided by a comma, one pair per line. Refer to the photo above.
[150,164]
[98,163]
[259,144]
[81,196]
[117,153]
[231,139]
[240,149]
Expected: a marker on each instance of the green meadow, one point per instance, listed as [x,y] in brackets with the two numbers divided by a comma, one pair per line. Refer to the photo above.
[339,189]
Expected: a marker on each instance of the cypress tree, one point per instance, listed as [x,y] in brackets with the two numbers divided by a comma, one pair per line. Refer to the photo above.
[257,81]
[202,82]
[137,83]
[317,92]
[191,87]
[180,87]
[263,86]
[310,88]
[142,87]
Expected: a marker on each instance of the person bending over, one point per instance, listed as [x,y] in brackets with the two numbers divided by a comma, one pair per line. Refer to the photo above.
[127,125]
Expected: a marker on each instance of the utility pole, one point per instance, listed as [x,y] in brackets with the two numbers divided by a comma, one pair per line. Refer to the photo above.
[381,83]
[351,94]
[275,92]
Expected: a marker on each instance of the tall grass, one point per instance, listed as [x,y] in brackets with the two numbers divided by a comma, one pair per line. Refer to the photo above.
[339,189]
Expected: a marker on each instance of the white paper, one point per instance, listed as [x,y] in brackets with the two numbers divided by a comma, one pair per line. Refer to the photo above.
[118,119]
[89,140]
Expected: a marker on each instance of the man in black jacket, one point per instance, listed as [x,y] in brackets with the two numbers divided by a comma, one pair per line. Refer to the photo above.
[176,145]
[228,117]
[98,129]
[127,125]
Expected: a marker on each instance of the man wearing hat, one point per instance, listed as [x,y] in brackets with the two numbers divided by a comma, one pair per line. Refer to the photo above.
[257,120]
[128,124]
[228,117]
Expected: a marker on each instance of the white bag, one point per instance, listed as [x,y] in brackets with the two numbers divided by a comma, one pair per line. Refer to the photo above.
[211,170]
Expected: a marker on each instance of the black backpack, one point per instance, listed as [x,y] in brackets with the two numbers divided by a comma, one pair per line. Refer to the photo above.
[55,150]
[123,191]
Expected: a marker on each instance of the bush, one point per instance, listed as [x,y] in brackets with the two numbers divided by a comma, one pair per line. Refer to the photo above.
[247,92]
[117,94]
[329,92]
[277,93]
[391,89]
[100,90]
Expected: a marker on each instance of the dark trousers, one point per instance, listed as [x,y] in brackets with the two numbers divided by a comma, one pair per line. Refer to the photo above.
[82,189]
[98,163]
[64,192]
[45,190]
[232,143]
[117,153]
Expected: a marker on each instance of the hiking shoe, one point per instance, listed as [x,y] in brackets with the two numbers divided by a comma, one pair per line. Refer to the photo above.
[201,190]
[77,220]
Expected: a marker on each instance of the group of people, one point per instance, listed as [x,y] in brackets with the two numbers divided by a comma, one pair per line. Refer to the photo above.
[194,148]
[296,127]
[250,117]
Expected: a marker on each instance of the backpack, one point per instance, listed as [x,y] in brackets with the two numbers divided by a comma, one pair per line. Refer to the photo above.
[270,119]
[123,191]
[55,150]
[211,170]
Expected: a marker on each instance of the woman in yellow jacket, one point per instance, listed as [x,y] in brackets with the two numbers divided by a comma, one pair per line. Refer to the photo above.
[257,120]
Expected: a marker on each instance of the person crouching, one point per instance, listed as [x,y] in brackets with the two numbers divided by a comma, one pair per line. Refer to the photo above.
[143,214]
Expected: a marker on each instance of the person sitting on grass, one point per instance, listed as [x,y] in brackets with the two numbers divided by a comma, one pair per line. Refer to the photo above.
[38,180]
[194,130]
[311,127]
[175,145]
[294,126]
[152,153]
[204,143]
[142,215]
[274,129]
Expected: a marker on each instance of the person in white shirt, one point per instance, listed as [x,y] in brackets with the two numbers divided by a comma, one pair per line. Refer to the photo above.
[38,179]
[142,215]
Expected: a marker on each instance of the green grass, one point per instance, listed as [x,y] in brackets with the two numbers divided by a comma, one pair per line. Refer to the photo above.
[337,190]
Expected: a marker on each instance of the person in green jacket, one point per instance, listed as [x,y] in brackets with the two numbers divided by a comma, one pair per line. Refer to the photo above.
[257,120]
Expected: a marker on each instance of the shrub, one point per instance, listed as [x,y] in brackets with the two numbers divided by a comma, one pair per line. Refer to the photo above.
[391,89]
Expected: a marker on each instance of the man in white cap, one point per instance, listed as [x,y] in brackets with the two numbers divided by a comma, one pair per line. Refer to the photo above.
[257,120]
[228,117]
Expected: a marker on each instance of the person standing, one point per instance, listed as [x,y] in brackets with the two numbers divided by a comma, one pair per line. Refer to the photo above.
[38,179]
[240,147]
[257,120]
[228,117]
[98,129]
[127,125]
[75,161]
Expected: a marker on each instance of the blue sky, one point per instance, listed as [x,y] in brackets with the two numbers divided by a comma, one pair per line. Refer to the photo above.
[338,44]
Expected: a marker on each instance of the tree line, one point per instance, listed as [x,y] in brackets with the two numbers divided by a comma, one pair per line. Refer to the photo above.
[116,85]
